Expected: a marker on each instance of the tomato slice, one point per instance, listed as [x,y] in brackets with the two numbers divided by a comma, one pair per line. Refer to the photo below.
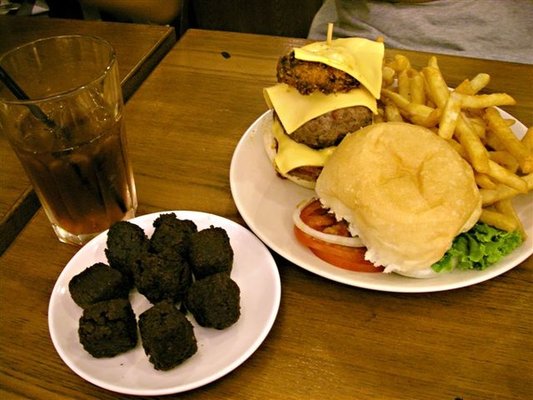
[320,219]
[350,258]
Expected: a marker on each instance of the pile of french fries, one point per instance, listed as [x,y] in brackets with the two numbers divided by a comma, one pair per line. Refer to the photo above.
[469,121]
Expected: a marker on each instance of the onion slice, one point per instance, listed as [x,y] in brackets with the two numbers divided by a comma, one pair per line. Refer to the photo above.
[326,237]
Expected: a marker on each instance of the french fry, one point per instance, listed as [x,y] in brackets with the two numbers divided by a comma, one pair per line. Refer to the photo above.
[420,112]
[493,141]
[505,159]
[477,154]
[429,121]
[506,208]
[502,192]
[479,82]
[487,100]
[391,111]
[479,126]
[432,62]
[465,87]
[473,86]
[404,85]
[418,93]
[438,90]
[457,147]
[400,63]
[508,140]
[388,76]
[484,181]
[380,116]
[498,220]
[506,177]
[450,114]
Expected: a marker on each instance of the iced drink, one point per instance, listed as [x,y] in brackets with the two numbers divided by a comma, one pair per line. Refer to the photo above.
[71,139]
[86,187]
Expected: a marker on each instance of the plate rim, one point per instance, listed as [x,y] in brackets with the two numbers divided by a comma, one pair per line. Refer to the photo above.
[69,269]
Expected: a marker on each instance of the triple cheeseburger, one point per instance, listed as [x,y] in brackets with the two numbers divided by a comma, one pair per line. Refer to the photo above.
[325,90]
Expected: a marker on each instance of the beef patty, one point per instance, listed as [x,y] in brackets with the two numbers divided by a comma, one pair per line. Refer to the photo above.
[329,129]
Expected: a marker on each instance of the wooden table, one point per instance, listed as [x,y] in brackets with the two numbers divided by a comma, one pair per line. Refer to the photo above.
[329,341]
[139,48]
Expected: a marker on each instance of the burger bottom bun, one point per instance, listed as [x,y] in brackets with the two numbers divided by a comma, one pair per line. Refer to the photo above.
[404,190]
[271,147]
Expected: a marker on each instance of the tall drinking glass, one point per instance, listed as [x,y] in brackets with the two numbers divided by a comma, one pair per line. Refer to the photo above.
[61,110]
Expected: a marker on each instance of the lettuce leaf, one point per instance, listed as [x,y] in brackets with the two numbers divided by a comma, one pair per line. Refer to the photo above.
[481,246]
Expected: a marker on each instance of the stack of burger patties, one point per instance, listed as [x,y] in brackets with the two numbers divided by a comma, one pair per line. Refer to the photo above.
[325,90]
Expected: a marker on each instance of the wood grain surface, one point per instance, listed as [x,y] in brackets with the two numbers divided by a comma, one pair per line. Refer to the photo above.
[138,47]
[329,341]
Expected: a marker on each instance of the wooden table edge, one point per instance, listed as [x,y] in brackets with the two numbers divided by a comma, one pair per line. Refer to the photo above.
[17,217]
[134,79]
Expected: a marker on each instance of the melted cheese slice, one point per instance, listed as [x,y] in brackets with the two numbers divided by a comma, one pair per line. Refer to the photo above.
[358,57]
[292,154]
[294,109]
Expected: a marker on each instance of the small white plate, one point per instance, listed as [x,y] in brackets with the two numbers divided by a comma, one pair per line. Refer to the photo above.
[219,351]
[266,204]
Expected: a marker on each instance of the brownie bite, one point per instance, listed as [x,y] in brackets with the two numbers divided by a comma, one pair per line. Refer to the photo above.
[214,301]
[171,235]
[167,336]
[163,276]
[97,283]
[210,252]
[108,328]
[126,243]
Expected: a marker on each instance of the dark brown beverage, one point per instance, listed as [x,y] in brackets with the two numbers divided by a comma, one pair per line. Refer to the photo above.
[86,187]
[61,110]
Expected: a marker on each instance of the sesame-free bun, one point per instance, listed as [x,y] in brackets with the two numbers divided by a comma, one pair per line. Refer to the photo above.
[405,192]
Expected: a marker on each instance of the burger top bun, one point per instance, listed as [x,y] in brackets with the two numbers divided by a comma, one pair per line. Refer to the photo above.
[404,190]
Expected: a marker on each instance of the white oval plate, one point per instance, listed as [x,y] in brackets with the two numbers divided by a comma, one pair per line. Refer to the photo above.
[266,204]
[219,351]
